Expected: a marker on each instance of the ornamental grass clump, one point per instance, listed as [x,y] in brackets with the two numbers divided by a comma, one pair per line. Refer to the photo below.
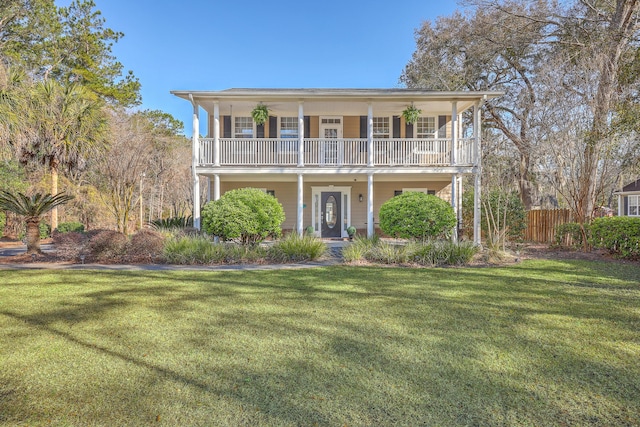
[296,248]
[191,250]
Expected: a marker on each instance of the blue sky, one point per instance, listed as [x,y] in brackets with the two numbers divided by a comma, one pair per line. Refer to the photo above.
[216,45]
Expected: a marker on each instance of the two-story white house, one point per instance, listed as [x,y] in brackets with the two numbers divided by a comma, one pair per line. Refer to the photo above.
[332,156]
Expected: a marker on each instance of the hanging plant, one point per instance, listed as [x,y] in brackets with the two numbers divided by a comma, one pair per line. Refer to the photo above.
[411,114]
[260,114]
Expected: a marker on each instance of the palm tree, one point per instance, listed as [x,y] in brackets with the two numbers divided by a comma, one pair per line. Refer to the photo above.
[32,208]
[67,124]
[58,125]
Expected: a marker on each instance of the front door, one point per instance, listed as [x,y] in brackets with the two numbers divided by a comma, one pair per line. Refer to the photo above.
[330,211]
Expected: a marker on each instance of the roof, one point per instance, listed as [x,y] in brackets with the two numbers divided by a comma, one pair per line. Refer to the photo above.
[633,186]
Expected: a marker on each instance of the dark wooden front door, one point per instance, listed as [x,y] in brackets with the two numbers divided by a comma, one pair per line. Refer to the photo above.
[331,222]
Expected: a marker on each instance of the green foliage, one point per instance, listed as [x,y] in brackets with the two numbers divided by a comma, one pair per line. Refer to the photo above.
[260,114]
[34,206]
[176,222]
[12,176]
[66,227]
[295,248]
[67,44]
[3,221]
[501,213]
[620,236]
[246,215]
[189,250]
[415,215]
[569,235]
[44,229]
[411,114]
[429,253]
[351,231]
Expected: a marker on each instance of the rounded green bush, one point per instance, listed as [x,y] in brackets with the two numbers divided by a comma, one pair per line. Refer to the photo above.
[66,227]
[247,215]
[415,215]
[3,221]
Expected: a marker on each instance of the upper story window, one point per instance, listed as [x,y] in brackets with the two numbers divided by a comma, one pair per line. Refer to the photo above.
[634,205]
[289,127]
[381,128]
[426,127]
[243,127]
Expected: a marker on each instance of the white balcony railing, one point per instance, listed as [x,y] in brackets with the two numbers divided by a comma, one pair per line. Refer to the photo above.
[336,152]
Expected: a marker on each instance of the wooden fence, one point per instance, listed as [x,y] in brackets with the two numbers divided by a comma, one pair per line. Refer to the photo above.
[542,224]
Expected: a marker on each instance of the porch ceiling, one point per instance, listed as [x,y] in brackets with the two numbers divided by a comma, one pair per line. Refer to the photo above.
[284,102]
[333,178]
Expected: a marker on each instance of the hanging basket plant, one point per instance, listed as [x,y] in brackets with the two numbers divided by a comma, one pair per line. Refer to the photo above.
[260,114]
[411,114]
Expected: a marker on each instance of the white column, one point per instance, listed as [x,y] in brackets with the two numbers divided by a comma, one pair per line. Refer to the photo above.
[621,211]
[477,184]
[216,187]
[454,205]
[194,164]
[216,134]
[300,217]
[454,132]
[370,135]
[300,134]
[370,224]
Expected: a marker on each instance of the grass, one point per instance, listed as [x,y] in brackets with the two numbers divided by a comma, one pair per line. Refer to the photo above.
[540,343]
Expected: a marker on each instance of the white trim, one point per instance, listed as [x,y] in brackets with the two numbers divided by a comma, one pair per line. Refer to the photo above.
[345,221]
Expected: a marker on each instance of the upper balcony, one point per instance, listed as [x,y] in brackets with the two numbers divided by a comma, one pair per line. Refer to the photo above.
[339,152]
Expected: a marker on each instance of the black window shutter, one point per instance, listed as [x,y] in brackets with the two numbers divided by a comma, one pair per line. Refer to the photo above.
[626,206]
[260,131]
[409,130]
[273,127]
[363,126]
[226,126]
[396,126]
[307,126]
[442,126]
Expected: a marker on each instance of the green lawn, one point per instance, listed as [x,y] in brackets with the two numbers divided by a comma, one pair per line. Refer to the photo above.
[540,343]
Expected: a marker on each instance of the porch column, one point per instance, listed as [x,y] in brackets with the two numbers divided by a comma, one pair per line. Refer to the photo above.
[477,174]
[454,204]
[299,219]
[216,187]
[370,135]
[216,133]
[194,163]
[454,133]
[370,225]
[300,135]
[621,211]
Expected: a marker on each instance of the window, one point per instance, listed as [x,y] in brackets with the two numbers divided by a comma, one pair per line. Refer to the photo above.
[634,205]
[289,127]
[243,127]
[381,128]
[426,127]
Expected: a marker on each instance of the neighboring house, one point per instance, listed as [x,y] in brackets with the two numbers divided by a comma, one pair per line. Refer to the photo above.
[333,156]
[629,199]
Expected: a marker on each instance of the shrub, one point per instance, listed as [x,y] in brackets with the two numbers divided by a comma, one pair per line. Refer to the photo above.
[246,215]
[620,236]
[506,209]
[3,221]
[145,246]
[69,246]
[66,227]
[173,222]
[427,253]
[201,250]
[295,248]
[107,246]
[569,235]
[415,215]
